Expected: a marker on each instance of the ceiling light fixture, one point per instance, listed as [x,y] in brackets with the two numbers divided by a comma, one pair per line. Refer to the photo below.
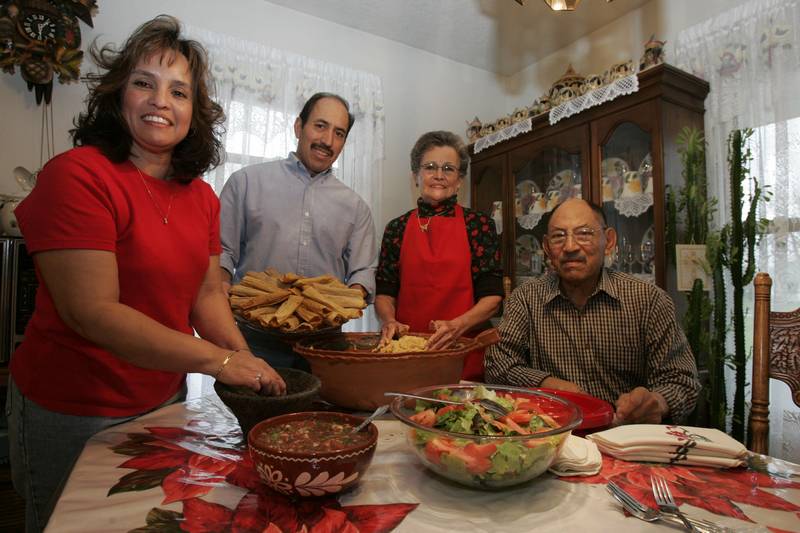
[562,5]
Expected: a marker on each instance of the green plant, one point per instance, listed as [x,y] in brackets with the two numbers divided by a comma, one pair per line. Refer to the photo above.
[691,202]
[717,352]
[738,239]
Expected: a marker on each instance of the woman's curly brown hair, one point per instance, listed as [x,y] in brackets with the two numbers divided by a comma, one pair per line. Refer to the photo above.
[103,124]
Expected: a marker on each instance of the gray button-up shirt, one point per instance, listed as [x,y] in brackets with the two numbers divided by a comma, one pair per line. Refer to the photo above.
[276,215]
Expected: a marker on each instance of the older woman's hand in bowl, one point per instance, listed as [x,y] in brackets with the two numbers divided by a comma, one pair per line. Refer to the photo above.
[242,368]
[445,332]
[392,329]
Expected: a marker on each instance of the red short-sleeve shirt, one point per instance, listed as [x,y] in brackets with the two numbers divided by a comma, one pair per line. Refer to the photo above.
[84,201]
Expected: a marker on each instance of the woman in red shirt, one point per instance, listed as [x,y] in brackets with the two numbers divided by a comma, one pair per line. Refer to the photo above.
[125,238]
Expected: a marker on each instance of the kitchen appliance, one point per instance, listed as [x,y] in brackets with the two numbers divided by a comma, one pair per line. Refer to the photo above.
[18,286]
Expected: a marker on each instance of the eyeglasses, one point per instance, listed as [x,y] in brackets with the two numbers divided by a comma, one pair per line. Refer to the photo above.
[581,235]
[448,170]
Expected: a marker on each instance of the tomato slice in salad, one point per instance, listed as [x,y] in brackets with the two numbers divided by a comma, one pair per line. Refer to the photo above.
[476,457]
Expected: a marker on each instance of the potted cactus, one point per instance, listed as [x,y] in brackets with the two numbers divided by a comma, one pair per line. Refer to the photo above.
[736,253]
[732,248]
[692,206]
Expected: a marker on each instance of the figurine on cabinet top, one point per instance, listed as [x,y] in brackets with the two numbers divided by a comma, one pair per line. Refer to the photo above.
[502,123]
[569,80]
[474,130]
[519,115]
[653,53]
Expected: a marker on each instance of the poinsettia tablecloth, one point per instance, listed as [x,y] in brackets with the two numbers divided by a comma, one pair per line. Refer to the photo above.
[183,468]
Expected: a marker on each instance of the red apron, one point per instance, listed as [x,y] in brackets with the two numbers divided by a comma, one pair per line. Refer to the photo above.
[436,278]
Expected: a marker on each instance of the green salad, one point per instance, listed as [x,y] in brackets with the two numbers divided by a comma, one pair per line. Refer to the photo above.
[480,458]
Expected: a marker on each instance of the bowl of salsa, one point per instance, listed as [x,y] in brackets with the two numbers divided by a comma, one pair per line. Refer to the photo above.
[312,453]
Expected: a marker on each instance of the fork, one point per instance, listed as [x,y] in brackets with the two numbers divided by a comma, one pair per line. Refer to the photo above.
[648,514]
[665,501]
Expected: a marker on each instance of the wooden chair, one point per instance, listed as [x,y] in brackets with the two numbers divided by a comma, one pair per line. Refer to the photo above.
[776,354]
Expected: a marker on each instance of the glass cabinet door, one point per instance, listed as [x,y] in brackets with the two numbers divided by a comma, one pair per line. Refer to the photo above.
[626,178]
[486,178]
[544,175]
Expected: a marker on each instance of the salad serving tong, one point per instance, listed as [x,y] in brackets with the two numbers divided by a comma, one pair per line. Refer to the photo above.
[487,404]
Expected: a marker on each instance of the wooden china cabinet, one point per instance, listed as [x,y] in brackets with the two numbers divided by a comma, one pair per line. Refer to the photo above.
[620,154]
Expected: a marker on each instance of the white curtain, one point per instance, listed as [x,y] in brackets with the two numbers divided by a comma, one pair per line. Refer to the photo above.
[262,91]
[750,56]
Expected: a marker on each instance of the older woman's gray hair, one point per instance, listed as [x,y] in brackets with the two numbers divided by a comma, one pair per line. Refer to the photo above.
[436,139]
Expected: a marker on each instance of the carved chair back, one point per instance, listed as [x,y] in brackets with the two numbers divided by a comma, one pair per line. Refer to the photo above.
[776,355]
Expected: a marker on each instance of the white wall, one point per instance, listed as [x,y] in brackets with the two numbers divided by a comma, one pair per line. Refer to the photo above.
[620,40]
[422,91]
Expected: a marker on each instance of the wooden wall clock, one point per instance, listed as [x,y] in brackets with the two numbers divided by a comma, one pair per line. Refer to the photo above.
[43,39]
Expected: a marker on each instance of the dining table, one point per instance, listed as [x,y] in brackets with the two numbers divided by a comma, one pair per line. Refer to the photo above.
[185,467]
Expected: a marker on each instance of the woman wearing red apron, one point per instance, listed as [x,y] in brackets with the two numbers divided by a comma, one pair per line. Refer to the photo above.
[439,268]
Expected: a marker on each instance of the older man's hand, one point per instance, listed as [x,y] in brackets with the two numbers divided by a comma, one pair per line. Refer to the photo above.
[640,406]
[552,382]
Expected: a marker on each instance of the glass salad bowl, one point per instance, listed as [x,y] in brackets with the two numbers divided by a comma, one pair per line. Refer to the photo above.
[475,448]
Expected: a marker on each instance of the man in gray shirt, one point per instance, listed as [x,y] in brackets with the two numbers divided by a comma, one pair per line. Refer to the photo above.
[295,216]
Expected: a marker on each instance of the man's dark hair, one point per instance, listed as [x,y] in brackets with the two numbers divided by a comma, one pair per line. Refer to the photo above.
[309,107]
[594,207]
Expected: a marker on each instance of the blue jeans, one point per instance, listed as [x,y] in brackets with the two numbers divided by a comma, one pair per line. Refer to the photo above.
[44,446]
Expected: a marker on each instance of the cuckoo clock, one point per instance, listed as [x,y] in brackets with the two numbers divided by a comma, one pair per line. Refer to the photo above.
[43,39]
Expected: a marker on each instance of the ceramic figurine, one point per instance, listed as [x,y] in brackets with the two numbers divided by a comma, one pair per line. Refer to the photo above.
[618,71]
[544,104]
[474,130]
[487,129]
[538,203]
[592,82]
[553,199]
[569,80]
[519,115]
[653,53]
[633,185]
[567,94]
[502,123]
[608,189]
[497,216]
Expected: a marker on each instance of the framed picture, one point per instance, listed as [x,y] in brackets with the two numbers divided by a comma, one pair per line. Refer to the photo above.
[691,263]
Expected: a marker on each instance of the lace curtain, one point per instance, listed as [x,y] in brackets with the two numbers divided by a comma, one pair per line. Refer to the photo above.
[262,91]
[750,55]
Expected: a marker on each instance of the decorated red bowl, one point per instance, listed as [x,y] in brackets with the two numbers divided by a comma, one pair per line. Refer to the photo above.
[311,453]
[503,452]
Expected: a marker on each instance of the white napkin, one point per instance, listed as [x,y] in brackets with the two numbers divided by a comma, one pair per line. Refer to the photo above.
[577,457]
[671,444]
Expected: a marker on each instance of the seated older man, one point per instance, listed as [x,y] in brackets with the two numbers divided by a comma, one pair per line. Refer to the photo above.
[582,327]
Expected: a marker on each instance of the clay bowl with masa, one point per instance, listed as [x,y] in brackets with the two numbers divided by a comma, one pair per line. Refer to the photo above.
[313,453]
[354,376]
[250,407]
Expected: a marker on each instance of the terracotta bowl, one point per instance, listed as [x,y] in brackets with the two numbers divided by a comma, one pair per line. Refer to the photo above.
[311,472]
[250,407]
[477,460]
[355,377]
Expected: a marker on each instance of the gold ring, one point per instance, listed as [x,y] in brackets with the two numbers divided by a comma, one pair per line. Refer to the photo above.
[258,377]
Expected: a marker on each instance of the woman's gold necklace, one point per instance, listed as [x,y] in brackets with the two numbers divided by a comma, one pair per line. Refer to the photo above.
[424,227]
[164,217]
